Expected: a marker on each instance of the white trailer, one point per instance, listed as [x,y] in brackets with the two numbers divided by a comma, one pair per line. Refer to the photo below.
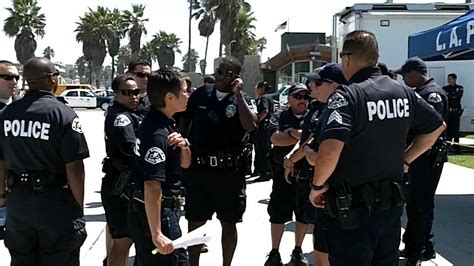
[392,24]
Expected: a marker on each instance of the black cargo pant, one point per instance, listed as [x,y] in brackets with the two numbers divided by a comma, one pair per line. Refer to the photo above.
[452,133]
[262,150]
[420,206]
[44,228]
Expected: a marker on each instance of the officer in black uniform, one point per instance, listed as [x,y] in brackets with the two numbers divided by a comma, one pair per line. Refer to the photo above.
[285,129]
[261,141]
[42,147]
[141,69]
[121,123]
[361,153]
[454,92]
[160,152]
[218,118]
[425,171]
[8,81]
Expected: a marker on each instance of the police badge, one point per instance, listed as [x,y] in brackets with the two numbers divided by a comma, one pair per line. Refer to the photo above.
[230,110]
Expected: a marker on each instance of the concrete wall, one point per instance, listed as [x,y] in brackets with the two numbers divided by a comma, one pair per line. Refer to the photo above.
[250,73]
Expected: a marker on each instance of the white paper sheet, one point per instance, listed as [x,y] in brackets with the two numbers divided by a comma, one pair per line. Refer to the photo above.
[196,237]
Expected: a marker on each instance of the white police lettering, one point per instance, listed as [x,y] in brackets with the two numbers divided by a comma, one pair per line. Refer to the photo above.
[434,98]
[335,116]
[469,31]
[388,109]
[26,129]
[253,105]
[136,148]
[155,156]
[336,101]
[122,121]
[76,125]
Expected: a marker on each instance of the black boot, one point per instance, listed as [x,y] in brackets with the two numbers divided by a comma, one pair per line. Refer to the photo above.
[297,258]
[274,258]
[413,262]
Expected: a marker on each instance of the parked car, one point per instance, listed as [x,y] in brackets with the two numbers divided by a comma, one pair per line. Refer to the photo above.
[64,87]
[280,97]
[84,98]
[104,98]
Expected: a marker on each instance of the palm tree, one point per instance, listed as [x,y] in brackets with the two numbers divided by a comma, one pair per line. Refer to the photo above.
[190,60]
[165,45]
[118,28]
[243,36]
[93,31]
[48,52]
[123,58]
[147,53]
[206,27]
[136,21]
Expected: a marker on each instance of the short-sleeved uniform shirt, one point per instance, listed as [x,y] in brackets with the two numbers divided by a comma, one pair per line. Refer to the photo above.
[265,103]
[155,158]
[215,124]
[431,92]
[120,127]
[39,133]
[282,121]
[310,128]
[372,116]
[454,96]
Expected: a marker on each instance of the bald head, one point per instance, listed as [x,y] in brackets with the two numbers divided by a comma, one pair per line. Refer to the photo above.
[39,72]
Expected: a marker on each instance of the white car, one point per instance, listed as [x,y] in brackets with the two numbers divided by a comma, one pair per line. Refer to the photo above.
[80,98]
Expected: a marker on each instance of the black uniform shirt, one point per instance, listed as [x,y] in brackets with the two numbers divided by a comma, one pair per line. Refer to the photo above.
[155,159]
[120,127]
[372,116]
[454,96]
[143,105]
[310,129]
[431,92]
[39,133]
[215,125]
[281,121]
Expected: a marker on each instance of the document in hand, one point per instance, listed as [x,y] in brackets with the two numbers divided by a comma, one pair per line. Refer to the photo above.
[195,237]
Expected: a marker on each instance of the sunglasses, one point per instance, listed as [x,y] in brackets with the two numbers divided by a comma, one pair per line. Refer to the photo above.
[141,74]
[299,96]
[9,77]
[228,74]
[342,54]
[134,92]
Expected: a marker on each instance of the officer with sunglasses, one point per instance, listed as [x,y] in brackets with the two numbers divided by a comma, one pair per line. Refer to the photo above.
[121,123]
[8,81]
[42,148]
[141,70]
[285,128]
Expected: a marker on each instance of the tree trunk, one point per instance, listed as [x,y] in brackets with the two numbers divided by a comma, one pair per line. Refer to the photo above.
[188,68]
[220,47]
[205,55]
[113,68]
[91,72]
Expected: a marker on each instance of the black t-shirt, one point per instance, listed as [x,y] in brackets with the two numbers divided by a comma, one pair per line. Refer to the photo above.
[264,103]
[372,116]
[39,133]
[310,129]
[454,96]
[120,127]
[282,121]
[215,125]
[155,158]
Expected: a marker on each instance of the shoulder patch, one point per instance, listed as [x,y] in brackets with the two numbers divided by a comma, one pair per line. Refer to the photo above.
[155,156]
[122,121]
[337,101]
[76,125]
[335,116]
[434,98]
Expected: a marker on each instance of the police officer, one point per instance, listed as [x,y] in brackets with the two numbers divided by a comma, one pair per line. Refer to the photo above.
[141,69]
[121,123]
[454,92]
[160,152]
[8,81]
[261,141]
[285,129]
[42,148]
[218,118]
[425,171]
[361,155]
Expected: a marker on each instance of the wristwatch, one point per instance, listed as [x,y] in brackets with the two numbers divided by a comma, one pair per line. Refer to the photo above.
[314,187]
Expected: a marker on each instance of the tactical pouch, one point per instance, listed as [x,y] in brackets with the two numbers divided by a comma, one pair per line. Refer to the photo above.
[121,182]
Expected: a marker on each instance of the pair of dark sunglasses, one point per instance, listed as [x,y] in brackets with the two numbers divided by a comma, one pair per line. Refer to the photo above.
[228,73]
[134,92]
[9,77]
[299,96]
[141,74]
[342,54]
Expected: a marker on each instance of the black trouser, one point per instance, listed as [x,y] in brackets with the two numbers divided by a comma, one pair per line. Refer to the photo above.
[262,151]
[424,180]
[43,228]
[453,129]
[140,232]
[375,242]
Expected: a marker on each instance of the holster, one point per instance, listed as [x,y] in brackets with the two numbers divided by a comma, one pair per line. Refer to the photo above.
[122,175]
[37,179]
[438,153]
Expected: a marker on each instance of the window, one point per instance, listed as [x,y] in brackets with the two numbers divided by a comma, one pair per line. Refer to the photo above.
[72,94]
[86,94]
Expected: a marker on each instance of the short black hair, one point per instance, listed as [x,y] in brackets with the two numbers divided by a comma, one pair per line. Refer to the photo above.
[453,76]
[209,79]
[232,62]
[264,85]
[133,64]
[6,62]
[362,44]
[160,83]
[121,79]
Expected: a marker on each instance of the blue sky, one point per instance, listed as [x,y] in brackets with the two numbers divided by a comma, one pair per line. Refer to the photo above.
[172,17]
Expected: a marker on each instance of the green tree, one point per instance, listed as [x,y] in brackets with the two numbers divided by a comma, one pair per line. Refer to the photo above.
[25,23]
[48,52]
[136,24]
[243,38]
[116,32]
[123,58]
[93,31]
[147,53]
[83,70]
[190,61]
[206,27]
[165,45]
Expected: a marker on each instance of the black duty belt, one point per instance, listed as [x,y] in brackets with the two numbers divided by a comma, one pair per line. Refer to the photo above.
[454,109]
[304,174]
[174,202]
[37,179]
[218,160]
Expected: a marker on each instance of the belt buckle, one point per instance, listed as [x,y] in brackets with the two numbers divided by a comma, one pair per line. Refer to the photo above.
[213,161]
